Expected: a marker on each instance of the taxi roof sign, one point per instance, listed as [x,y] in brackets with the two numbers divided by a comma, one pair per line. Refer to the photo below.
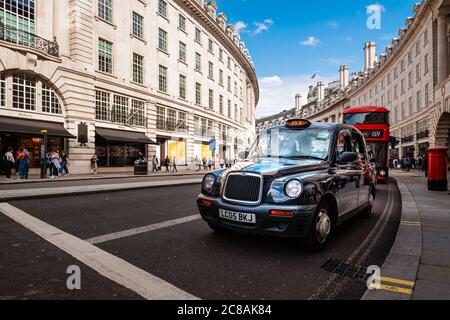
[298,123]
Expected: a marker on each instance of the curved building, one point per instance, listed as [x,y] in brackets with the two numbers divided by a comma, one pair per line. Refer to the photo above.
[123,78]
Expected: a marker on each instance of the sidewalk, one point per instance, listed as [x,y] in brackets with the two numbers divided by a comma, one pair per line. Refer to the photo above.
[418,266]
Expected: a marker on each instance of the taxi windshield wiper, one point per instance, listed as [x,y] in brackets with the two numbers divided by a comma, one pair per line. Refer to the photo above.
[305,157]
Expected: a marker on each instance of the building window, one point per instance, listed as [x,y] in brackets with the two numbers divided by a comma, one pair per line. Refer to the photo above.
[182,52]
[18,15]
[221,104]
[182,120]
[235,89]
[162,8]
[162,40]
[182,22]
[419,101]
[171,120]
[119,111]
[418,48]
[229,63]
[229,109]
[427,97]
[138,25]
[162,79]
[229,84]
[137,117]
[105,10]
[198,62]
[211,46]
[425,62]
[50,102]
[182,87]
[161,118]
[211,99]
[138,68]
[410,80]
[105,56]
[24,92]
[102,105]
[409,57]
[418,75]
[2,91]
[221,77]
[220,55]
[211,70]
[410,105]
[198,94]
[198,35]
[425,37]
[236,112]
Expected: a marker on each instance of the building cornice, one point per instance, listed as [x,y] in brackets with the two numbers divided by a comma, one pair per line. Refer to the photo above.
[199,13]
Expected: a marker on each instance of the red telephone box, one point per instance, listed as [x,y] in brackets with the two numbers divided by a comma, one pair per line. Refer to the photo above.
[437,169]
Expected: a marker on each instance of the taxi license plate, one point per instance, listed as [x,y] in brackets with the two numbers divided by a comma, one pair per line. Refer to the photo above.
[237,216]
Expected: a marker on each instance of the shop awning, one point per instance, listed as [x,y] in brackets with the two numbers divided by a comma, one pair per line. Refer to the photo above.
[33,127]
[112,135]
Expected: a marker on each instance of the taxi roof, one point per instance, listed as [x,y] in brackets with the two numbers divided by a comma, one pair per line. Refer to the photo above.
[319,125]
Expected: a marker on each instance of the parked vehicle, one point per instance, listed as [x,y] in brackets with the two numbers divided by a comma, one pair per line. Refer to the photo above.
[300,180]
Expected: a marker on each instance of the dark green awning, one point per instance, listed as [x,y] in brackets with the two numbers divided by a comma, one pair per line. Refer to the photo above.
[33,127]
[112,135]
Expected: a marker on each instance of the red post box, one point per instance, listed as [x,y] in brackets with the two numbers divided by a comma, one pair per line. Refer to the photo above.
[437,169]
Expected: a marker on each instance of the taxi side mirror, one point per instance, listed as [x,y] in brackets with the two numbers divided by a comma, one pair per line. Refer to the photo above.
[347,157]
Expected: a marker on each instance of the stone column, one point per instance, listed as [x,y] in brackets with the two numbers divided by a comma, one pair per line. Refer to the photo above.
[442,48]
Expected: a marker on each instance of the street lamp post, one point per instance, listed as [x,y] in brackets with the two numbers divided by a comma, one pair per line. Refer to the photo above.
[44,154]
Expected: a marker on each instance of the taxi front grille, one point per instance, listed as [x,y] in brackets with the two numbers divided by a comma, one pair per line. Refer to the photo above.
[243,188]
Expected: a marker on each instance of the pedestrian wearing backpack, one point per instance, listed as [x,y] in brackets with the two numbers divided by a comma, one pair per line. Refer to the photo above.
[9,162]
[94,164]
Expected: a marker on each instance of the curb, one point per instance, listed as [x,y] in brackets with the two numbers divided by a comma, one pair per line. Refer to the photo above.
[17,182]
[399,271]
[10,195]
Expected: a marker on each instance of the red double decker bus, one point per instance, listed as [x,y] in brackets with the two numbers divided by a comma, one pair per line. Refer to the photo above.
[373,122]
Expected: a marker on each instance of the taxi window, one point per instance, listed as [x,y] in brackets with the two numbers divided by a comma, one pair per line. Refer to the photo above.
[359,145]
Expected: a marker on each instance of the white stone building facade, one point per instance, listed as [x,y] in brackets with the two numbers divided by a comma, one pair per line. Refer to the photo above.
[119,78]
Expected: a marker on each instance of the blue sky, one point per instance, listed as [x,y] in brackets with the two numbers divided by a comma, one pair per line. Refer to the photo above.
[291,40]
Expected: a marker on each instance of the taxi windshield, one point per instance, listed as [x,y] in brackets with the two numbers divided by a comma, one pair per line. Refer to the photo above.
[292,144]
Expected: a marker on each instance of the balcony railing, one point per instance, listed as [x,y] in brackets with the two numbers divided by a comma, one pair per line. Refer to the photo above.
[27,39]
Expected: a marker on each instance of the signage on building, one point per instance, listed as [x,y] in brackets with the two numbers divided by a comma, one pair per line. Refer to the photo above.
[83,134]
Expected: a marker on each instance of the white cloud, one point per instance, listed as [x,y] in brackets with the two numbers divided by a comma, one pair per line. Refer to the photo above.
[240,26]
[310,42]
[337,61]
[277,92]
[262,26]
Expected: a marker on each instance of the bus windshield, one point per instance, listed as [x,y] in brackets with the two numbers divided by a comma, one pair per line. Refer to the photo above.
[366,118]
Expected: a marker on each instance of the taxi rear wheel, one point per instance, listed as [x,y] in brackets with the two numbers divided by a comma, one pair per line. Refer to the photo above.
[321,228]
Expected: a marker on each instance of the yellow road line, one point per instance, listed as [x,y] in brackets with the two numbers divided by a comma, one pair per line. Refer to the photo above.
[397,281]
[410,223]
[392,289]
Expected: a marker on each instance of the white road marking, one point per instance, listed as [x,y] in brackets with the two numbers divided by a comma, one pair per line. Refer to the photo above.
[109,266]
[140,230]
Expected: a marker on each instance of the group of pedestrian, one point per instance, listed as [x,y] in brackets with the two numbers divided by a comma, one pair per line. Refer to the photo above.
[408,163]
[167,163]
[19,160]
[57,163]
[204,164]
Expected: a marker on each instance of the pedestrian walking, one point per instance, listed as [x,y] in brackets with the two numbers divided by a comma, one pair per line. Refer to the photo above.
[155,164]
[94,164]
[174,163]
[55,160]
[9,162]
[65,163]
[167,163]
[407,163]
[23,158]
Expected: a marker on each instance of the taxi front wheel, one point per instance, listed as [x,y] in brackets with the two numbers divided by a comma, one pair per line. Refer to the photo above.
[320,229]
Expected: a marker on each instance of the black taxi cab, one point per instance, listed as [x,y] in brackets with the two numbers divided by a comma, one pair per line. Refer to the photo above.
[299,180]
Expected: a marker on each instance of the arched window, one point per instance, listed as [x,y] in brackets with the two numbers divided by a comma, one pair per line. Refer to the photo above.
[29,93]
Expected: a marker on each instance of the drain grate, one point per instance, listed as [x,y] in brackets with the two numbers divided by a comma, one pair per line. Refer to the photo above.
[346,269]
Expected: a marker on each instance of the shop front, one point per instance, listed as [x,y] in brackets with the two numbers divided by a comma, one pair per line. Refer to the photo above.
[117,148]
[173,148]
[202,151]
[16,133]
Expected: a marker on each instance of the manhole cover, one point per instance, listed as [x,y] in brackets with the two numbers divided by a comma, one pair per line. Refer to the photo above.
[348,270]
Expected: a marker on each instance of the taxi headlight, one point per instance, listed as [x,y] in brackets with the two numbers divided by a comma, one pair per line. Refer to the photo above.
[208,182]
[293,189]
[382,173]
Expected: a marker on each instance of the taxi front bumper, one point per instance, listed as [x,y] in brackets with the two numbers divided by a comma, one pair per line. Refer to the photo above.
[267,224]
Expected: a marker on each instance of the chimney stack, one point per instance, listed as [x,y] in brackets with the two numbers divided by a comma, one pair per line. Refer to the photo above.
[298,103]
[343,72]
[370,54]
[320,92]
